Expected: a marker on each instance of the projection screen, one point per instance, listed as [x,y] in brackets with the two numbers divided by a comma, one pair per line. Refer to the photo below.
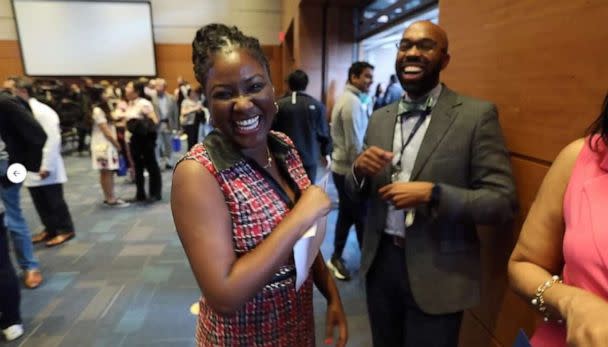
[84,38]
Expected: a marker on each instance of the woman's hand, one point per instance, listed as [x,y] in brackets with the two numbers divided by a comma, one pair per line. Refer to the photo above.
[586,316]
[324,281]
[313,203]
[336,318]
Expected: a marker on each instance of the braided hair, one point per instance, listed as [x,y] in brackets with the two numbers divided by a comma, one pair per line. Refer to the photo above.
[219,38]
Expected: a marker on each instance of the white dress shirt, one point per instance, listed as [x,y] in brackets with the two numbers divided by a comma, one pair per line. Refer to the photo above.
[398,220]
[51,152]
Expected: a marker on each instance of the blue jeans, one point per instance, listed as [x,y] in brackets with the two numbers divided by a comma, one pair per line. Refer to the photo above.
[17,227]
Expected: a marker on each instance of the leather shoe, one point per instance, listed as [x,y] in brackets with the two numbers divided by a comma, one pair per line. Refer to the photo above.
[153,199]
[59,239]
[136,200]
[32,278]
[40,237]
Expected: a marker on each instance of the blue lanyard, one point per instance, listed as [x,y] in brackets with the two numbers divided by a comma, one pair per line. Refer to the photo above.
[422,117]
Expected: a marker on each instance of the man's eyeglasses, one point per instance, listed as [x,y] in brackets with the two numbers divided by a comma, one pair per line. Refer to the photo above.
[424,45]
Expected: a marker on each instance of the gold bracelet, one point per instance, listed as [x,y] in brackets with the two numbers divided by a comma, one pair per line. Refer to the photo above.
[539,300]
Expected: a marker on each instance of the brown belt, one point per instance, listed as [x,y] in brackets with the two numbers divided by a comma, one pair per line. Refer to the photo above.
[398,241]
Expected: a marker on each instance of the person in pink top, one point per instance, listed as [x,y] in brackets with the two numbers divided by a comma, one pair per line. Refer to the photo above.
[560,262]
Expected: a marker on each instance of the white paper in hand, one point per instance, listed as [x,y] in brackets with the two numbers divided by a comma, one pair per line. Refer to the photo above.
[306,249]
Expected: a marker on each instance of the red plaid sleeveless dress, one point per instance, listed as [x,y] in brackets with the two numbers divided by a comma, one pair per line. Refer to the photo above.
[277,315]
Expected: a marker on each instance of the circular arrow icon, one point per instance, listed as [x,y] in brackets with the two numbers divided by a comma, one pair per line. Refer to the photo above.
[16,173]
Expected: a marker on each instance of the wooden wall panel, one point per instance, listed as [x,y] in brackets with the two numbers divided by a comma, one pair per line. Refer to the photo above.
[528,177]
[275,60]
[172,60]
[543,62]
[288,58]
[341,36]
[10,59]
[474,334]
[310,46]
[501,312]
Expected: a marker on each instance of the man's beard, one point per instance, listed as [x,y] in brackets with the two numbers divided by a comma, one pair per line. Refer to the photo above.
[423,86]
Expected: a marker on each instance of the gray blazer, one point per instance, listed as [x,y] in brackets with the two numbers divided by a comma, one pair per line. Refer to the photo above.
[173,116]
[463,151]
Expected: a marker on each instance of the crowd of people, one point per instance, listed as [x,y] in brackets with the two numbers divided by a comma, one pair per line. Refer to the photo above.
[417,167]
[131,129]
[99,114]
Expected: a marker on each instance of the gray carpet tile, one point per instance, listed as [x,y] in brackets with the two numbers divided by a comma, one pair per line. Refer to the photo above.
[125,281]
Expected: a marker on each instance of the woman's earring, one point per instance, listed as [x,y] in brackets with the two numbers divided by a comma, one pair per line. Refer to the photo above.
[276,106]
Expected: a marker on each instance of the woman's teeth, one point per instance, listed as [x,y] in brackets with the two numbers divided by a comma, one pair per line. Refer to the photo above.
[248,124]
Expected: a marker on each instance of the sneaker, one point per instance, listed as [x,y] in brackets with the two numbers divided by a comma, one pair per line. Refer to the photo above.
[13,332]
[337,267]
[118,203]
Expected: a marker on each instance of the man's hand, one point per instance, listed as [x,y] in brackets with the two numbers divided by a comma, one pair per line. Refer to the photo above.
[326,161]
[372,161]
[44,174]
[406,194]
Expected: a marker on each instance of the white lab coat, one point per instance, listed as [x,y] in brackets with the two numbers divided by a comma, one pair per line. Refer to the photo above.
[51,152]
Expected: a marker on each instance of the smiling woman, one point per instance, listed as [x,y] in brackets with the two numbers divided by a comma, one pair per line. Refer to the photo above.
[241,100]
[241,200]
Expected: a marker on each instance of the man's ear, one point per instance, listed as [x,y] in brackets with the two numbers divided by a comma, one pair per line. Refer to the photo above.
[445,61]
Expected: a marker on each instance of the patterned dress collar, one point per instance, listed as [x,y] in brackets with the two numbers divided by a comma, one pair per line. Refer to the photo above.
[225,154]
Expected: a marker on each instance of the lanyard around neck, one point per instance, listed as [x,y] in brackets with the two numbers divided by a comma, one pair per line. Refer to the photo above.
[421,119]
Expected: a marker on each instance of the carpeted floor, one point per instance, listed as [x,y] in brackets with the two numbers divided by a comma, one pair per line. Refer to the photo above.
[125,281]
